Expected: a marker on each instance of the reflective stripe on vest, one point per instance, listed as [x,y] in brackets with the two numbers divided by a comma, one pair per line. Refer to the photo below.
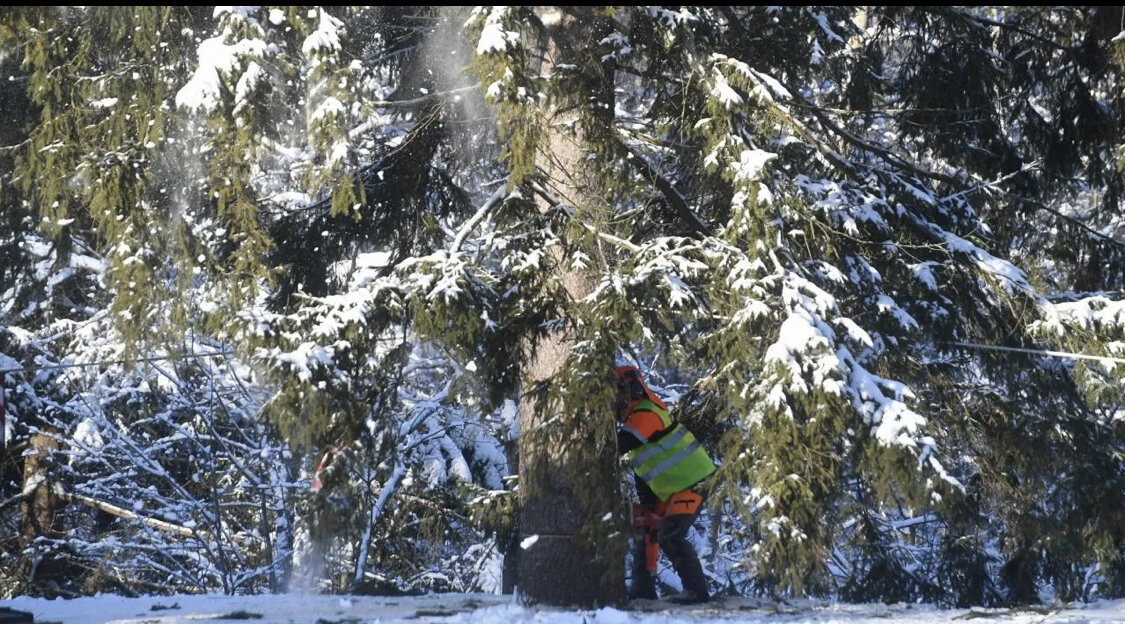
[665,465]
[652,449]
[636,434]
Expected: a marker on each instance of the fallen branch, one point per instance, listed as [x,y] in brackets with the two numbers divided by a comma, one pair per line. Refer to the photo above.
[121,512]
[15,498]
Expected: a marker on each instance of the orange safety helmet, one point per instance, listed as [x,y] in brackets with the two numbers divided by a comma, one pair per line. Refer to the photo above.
[630,377]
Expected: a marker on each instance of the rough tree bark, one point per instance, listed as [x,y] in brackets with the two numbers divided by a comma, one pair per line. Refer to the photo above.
[569,480]
[38,517]
[37,511]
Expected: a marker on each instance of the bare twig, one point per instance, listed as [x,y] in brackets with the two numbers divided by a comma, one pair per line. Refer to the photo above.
[425,99]
[15,498]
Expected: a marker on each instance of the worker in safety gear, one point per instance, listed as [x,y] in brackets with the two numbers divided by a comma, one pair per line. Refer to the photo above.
[669,465]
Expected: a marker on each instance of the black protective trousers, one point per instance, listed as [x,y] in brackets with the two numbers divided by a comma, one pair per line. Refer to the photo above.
[673,538]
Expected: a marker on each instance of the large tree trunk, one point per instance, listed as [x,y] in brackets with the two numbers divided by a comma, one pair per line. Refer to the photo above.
[569,479]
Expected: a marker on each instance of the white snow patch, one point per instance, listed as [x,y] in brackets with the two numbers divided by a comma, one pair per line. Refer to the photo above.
[8,363]
[93,264]
[925,274]
[496,609]
[329,107]
[247,82]
[723,92]
[510,418]
[798,333]
[855,332]
[887,305]
[1096,313]
[217,59]
[88,434]
[494,37]
[750,165]
[672,18]
[609,615]
[1011,278]
[326,37]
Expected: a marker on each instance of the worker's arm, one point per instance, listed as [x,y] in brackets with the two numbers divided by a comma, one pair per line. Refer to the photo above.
[637,429]
[626,441]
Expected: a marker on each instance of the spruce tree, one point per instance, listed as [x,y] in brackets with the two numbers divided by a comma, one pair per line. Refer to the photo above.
[569,495]
[827,217]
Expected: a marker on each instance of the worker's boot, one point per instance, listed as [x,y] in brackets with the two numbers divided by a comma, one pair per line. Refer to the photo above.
[643,588]
[695,584]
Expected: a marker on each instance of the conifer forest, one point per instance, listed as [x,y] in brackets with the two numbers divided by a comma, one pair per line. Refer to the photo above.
[331,297]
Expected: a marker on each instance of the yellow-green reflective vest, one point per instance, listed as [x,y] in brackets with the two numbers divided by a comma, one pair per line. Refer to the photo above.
[672,463]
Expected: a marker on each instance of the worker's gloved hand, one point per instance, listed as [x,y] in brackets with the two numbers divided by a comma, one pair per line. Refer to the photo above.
[645,518]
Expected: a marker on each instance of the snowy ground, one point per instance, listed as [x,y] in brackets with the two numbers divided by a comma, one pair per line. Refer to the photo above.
[493,609]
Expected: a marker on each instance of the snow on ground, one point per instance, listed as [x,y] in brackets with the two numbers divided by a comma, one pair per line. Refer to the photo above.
[494,609]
